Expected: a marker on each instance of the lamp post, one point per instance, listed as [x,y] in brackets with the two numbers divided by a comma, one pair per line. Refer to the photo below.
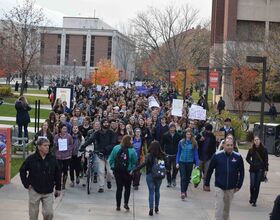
[263,60]
[169,78]
[95,69]
[206,68]
[74,72]
[185,78]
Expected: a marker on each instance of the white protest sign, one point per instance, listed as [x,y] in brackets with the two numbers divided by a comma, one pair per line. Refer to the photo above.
[62,144]
[64,94]
[153,102]
[98,88]
[197,112]
[177,107]
[121,84]
[138,83]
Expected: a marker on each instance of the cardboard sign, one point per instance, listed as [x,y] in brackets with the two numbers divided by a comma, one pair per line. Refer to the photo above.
[153,102]
[5,155]
[177,107]
[197,112]
[219,135]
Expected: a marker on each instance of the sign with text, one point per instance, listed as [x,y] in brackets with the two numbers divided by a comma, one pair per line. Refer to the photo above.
[5,155]
[153,102]
[138,83]
[197,112]
[214,80]
[177,107]
[65,94]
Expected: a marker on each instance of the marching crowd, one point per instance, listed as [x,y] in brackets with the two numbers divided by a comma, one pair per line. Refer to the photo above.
[128,135]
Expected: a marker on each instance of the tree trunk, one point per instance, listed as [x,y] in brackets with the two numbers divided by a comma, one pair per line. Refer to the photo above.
[23,75]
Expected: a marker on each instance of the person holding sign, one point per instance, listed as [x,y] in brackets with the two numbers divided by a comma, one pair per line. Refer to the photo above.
[63,145]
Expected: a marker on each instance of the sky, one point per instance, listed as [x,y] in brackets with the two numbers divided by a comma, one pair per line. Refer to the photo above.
[113,12]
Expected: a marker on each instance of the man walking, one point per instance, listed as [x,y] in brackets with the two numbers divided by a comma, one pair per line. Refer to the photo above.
[229,176]
[169,145]
[221,105]
[39,174]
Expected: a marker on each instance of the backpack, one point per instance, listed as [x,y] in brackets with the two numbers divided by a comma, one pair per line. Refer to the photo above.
[122,160]
[158,169]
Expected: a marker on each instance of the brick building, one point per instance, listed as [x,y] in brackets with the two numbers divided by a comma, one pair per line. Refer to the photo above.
[77,47]
[239,23]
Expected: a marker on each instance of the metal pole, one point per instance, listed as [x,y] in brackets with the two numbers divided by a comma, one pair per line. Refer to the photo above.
[207,85]
[184,90]
[35,116]
[39,106]
[263,99]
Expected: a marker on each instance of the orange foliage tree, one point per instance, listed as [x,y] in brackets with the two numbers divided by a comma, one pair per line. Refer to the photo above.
[179,79]
[244,83]
[106,73]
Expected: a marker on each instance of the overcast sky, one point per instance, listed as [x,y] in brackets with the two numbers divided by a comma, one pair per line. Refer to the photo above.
[113,12]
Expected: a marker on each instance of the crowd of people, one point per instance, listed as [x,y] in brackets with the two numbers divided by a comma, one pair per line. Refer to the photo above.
[129,134]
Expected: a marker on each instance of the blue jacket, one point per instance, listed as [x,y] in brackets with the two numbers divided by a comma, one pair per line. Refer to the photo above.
[182,144]
[229,170]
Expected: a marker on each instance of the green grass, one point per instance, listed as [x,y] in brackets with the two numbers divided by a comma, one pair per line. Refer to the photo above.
[16,164]
[10,111]
[37,91]
[256,118]
[30,99]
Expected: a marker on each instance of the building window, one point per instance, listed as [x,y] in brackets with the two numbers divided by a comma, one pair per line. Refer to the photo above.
[250,31]
[109,53]
[92,51]
[67,45]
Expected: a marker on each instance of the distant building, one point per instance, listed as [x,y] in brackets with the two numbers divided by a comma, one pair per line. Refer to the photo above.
[235,22]
[77,47]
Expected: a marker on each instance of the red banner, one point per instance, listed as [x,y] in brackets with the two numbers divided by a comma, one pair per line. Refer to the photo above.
[214,80]
[5,155]
[173,77]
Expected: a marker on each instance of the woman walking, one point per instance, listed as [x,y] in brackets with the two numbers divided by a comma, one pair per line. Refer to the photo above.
[187,156]
[257,157]
[63,143]
[45,132]
[22,118]
[154,155]
[122,161]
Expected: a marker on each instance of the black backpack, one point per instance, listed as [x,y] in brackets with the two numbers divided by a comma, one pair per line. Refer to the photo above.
[158,169]
[122,160]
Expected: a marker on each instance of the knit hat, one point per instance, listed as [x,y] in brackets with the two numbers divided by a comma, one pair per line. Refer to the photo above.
[208,127]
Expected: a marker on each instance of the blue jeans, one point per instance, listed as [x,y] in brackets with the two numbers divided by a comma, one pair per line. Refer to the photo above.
[185,173]
[154,187]
[255,182]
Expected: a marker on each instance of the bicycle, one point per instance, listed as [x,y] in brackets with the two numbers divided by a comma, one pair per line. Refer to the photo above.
[91,167]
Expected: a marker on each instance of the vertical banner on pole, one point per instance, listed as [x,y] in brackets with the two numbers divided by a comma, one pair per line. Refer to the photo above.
[214,80]
[5,155]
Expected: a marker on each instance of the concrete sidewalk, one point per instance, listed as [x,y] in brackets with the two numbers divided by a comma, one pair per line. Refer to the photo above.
[4,118]
[32,94]
[76,204]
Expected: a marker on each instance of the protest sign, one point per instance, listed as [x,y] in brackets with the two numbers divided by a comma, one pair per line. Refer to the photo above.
[197,112]
[98,88]
[177,107]
[138,83]
[153,102]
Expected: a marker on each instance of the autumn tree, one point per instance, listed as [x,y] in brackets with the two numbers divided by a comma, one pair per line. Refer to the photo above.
[244,81]
[22,23]
[105,74]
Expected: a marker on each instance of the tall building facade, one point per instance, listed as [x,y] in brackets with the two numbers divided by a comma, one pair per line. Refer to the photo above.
[235,23]
[76,48]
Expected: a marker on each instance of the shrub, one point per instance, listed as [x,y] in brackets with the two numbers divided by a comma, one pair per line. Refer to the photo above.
[5,90]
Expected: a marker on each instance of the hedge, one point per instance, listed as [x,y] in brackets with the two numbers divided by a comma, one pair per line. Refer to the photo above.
[5,90]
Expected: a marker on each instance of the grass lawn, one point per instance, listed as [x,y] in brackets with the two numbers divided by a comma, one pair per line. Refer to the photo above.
[16,163]
[37,91]
[30,99]
[256,118]
[10,111]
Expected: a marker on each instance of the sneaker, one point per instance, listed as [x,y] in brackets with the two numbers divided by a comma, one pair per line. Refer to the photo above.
[101,190]
[195,185]
[126,207]
[151,212]
[168,185]
[95,178]
[109,185]
[77,180]
[254,204]
[174,183]
[183,196]
[118,208]
[72,184]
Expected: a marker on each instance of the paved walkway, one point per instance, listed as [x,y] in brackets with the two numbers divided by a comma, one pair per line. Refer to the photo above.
[4,118]
[31,94]
[76,204]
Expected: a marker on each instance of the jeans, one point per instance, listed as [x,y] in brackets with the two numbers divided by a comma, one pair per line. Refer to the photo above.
[255,182]
[171,166]
[154,187]
[64,165]
[185,173]
[34,202]
[122,180]
[20,131]
[204,165]
[75,166]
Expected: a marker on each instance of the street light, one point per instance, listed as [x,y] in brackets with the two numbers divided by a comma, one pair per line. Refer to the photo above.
[74,72]
[169,78]
[206,68]
[95,69]
[185,78]
[263,60]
